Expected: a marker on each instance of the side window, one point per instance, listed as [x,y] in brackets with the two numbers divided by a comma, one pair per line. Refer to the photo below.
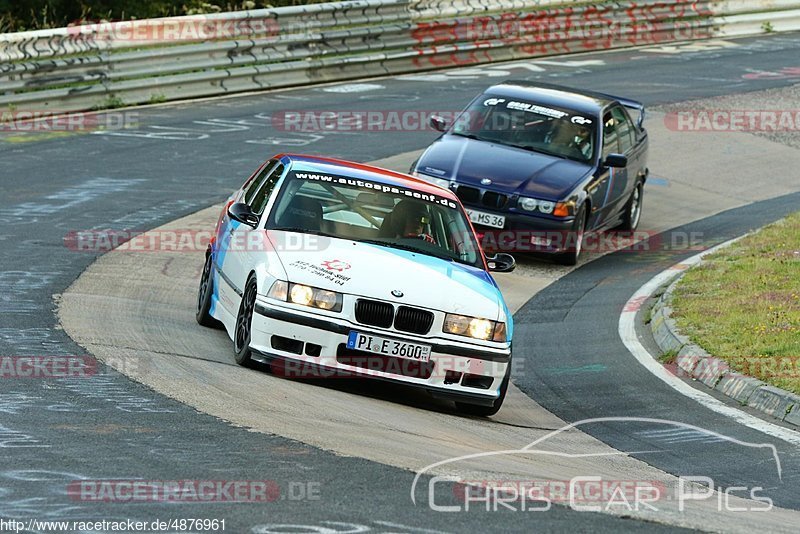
[252,187]
[624,128]
[610,138]
[261,198]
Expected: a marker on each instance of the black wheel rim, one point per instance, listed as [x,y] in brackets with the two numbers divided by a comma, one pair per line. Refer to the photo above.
[244,320]
[205,284]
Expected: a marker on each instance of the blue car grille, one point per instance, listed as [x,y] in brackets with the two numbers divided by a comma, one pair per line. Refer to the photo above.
[474,196]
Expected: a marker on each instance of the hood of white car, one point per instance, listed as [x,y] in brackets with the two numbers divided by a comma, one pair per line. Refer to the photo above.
[375,271]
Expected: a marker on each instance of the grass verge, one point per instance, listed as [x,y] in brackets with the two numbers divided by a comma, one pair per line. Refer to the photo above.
[742,304]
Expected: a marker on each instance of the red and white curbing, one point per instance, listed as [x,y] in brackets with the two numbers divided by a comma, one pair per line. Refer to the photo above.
[693,361]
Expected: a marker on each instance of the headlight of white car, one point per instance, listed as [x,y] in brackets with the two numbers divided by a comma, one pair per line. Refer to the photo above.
[461,325]
[306,295]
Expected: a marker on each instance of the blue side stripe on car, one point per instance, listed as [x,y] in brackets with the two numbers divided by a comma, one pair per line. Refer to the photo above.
[218,251]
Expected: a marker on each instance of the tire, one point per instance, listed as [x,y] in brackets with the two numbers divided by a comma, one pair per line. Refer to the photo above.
[486,411]
[570,257]
[633,209]
[204,293]
[242,333]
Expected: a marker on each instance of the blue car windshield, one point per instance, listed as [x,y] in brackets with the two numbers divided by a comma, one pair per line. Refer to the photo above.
[528,125]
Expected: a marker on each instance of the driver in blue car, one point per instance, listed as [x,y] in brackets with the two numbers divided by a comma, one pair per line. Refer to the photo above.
[582,141]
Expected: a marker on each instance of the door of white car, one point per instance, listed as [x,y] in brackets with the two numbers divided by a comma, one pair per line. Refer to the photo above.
[246,245]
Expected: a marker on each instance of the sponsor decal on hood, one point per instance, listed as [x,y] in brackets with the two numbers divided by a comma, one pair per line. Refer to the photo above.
[329,270]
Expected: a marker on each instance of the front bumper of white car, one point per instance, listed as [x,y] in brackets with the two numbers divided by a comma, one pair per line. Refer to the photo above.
[310,345]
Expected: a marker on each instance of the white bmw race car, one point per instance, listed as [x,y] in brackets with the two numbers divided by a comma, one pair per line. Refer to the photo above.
[331,268]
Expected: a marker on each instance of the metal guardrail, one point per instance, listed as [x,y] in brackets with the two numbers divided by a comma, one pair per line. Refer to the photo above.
[90,66]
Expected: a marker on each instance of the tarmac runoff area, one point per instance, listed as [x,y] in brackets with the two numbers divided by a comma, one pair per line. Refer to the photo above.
[145,328]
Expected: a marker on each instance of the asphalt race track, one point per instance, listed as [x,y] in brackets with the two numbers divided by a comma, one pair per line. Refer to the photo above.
[185,157]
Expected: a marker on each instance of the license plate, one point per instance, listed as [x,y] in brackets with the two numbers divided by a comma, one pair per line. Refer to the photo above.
[486,219]
[388,347]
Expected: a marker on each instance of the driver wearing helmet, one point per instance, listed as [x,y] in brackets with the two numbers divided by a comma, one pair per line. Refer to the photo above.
[583,141]
[410,219]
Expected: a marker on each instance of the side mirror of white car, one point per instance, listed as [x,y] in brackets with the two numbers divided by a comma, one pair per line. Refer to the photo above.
[501,262]
[241,212]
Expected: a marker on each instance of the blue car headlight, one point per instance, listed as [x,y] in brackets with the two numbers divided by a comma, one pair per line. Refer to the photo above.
[532,204]
[528,204]
[546,206]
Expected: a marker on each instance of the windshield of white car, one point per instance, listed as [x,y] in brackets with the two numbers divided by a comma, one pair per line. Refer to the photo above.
[379,214]
[528,125]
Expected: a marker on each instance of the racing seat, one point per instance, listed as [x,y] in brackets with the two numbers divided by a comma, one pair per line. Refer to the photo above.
[302,212]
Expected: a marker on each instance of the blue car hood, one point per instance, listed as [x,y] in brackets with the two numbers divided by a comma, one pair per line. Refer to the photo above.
[510,169]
